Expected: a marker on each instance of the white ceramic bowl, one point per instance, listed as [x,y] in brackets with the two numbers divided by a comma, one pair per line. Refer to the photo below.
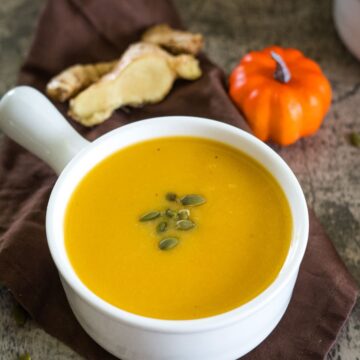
[347,21]
[30,119]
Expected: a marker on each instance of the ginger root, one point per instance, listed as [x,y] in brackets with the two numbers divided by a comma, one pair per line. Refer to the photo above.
[175,41]
[144,74]
[72,80]
[76,78]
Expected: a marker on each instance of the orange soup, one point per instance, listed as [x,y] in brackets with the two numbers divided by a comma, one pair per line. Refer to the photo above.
[178,228]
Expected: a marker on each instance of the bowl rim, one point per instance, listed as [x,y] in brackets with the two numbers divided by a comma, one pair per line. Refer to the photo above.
[175,326]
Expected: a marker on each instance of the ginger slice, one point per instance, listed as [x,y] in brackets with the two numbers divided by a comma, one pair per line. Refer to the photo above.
[144,74]
[76,78]
[175,41]
[72,80]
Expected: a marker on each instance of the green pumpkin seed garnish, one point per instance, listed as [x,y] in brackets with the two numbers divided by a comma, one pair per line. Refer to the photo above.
[171,196]
[25,356]
[184,224]
[150,216]
[355,139]
[168,243]
[170,213]
[192,200]
[173,219]
[161,227]
[20,315]
[183,214]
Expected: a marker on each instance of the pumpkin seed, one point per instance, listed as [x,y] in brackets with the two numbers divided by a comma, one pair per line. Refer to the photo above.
[25,356]
[20,315]
[170,213]
[171,196]
[192,200]
[162,227]
[150,216]
[183,214]
[355,139]
[168,243]
[184,224]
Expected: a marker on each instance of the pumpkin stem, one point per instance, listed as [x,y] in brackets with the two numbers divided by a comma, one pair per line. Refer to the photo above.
[282,72]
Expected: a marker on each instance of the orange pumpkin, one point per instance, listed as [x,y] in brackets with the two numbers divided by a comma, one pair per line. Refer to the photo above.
[282,94]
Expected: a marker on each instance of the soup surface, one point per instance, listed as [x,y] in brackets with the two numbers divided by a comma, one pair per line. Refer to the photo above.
[235,251]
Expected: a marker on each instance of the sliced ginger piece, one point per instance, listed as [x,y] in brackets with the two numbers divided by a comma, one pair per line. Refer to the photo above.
[76,78]
[144,74]
[72,80]
[175,41]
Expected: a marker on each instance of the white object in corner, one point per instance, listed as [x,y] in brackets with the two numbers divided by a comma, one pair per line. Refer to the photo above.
[347,22]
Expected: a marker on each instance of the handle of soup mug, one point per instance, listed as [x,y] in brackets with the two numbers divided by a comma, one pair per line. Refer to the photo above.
[30,119]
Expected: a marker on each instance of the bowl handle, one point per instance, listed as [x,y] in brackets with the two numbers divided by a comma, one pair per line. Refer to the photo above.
[30,119]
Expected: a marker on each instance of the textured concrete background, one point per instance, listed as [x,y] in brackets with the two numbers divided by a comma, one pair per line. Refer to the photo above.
[326,165]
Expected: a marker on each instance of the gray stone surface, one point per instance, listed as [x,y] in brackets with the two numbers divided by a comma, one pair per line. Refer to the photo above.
[326,165]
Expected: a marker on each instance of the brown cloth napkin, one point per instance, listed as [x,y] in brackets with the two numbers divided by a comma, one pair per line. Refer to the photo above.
[80,31]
